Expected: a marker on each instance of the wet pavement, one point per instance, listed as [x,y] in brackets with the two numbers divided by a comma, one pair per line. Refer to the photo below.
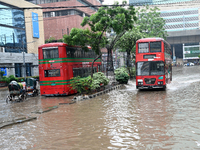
[122,119]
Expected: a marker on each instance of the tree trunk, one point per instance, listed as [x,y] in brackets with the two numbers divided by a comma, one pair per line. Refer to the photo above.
[128,63]
[109,66]
[93,64]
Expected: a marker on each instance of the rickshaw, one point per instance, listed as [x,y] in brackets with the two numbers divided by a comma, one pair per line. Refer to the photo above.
[15,91]
[31,85]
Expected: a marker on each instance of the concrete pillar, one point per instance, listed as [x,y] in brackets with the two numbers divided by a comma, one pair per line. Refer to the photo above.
[174,56]
[183,52]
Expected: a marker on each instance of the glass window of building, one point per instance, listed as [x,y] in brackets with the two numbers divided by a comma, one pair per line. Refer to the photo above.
[12,29]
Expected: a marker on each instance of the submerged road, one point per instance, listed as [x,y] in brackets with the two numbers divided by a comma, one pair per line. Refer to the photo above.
[122,119]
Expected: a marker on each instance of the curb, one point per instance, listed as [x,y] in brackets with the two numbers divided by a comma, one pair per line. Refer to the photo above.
[81,98]
[46,110]
[16,121]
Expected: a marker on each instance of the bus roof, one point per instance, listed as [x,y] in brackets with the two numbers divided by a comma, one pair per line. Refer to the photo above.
[150,39]
[57,44]
[53,45]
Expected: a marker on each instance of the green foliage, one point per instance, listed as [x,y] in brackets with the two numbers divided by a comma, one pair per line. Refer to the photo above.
[1,74]
[18,79]
[52,39]
[85,85]
[5,79]
[121,75]
[90,38]
[132,72]
[121,70]
[128,41]
[9,79]
[99,78]
[81,84]
[150,22]
[107,18]
[112,18]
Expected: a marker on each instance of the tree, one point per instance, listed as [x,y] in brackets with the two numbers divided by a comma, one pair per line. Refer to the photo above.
[120,20]
[106,18]
[127,44]
[85,38]
[150,22]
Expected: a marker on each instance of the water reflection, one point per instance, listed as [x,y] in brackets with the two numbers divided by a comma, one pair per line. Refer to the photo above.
[154,119]
[121,120]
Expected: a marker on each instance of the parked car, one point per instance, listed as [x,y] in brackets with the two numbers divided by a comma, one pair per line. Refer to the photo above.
[189,64]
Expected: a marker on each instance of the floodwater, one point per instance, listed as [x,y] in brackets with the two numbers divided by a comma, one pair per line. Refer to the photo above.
[122,119]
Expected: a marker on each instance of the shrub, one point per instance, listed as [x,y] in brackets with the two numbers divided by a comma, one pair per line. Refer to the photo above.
[81,84]
[1,73]
[121,70]
[5,79]
[121,75]
[9,79]
[100,78]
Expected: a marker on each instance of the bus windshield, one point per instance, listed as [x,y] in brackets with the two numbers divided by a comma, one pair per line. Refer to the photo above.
[150,68]
[154,47]
[50,52]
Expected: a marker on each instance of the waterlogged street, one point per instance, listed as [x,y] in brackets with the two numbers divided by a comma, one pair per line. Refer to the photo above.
[122,119]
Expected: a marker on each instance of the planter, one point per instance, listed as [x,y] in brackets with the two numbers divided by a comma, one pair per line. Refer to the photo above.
[3,83]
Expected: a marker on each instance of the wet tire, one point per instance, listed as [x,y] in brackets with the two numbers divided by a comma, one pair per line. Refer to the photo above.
[164,87]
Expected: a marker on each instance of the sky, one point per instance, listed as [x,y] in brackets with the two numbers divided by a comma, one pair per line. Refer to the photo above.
[110,2]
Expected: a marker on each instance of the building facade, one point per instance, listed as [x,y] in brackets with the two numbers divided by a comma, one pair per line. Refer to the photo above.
[181,23]
[60,21]
[155,2]
[21,32]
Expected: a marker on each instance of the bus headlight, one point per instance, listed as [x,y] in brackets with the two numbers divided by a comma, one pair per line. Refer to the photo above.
[140,82]
[160,82]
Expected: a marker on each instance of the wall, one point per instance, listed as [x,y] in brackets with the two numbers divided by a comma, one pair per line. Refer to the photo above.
[9,59]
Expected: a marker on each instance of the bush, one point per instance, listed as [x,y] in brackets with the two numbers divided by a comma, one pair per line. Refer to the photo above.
[1,73]
[100,78]
[121,75]
[9,79]
[81,84]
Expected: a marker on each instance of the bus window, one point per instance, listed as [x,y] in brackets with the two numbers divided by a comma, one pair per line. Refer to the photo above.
[150,68]
[143,47]
[70,52]
[52,73]
[142,68]
[49,52]
[156,68]
[155,47]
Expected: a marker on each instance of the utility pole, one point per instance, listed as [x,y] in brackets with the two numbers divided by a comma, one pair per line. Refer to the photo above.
[24,67]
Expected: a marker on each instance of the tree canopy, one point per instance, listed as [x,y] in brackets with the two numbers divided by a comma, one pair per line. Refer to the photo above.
[107,18]
[150,22]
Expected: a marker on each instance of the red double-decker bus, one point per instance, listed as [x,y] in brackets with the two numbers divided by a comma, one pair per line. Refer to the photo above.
[58,63]
[153,63]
